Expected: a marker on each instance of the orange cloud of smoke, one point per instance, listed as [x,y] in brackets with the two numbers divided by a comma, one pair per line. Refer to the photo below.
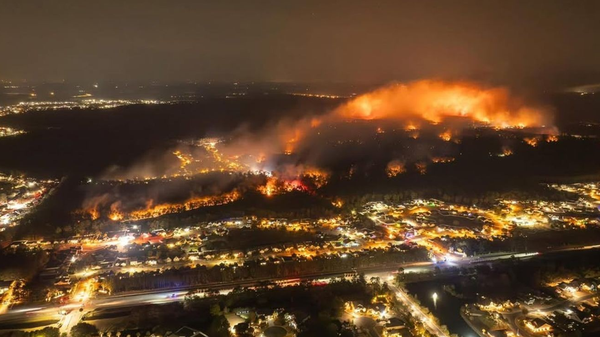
[412,105]
[435,101]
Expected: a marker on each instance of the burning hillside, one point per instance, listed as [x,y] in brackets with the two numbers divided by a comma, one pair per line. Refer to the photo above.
[436,101]
[396,129]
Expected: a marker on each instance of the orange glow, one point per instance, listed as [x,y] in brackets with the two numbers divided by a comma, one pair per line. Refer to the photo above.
[115,213]
[446,136]
[153,211]
[337,203]
[93,213]
[410,127]
[532,141]
[291,139]
[413,134]
[412,107]
[116,216]
[506,151]
[435,101]
[552,139]
[421,167]
[183,158]
[269,188]
[315,122]
[317,176]
[278,185]
[394,168]
[442,160]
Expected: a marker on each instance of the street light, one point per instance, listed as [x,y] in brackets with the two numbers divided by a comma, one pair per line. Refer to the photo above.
[434,297]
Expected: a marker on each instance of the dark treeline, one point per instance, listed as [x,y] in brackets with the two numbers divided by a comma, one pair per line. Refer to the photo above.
[525,240]
[44,221]
[250,270]
[457,196]
[506,279]
[45,332]
[21,263]
[553,268]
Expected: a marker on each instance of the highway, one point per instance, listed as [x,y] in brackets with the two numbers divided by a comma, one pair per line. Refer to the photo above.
[48,314]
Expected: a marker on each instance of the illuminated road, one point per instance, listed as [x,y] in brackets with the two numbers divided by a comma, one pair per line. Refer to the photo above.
[416,311]
[7,298]
[512,316]
[44,313]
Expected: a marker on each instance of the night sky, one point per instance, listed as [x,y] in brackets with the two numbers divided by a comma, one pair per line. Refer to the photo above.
[510,42]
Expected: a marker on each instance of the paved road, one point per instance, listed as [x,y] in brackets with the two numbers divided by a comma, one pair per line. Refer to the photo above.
[416,311]
[517,314]
[47,312]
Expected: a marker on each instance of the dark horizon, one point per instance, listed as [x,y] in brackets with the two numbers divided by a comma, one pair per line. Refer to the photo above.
[538,43]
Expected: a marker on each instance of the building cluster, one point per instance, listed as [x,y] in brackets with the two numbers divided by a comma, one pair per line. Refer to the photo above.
[430,222]
[576,288]
[207,243]
[129,251]
[80,263]
[27,106]
[575,305]
[387,324]
[19,195]
[265,322]
[7,132]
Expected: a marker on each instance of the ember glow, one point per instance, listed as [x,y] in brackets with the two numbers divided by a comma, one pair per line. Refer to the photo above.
[532,141]
[442,160]
[116,216]
[421,167]
[269,188]
[275,186]
[506,151]
[117,212]
[304,179]
[153,211]
[394,168]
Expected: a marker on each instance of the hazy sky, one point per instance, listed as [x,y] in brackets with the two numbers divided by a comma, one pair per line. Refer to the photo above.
[502,41]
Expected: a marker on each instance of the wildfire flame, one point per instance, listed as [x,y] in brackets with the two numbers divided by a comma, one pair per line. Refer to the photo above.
[116,216]
[93,213]
[153,211]
[421,167]
[413,105]
[117,213]
[278,184]
[506,151]
[446,135]
[394,168]
[435,101]
[270,188]
[411,127]
[532,141]
[338,203]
